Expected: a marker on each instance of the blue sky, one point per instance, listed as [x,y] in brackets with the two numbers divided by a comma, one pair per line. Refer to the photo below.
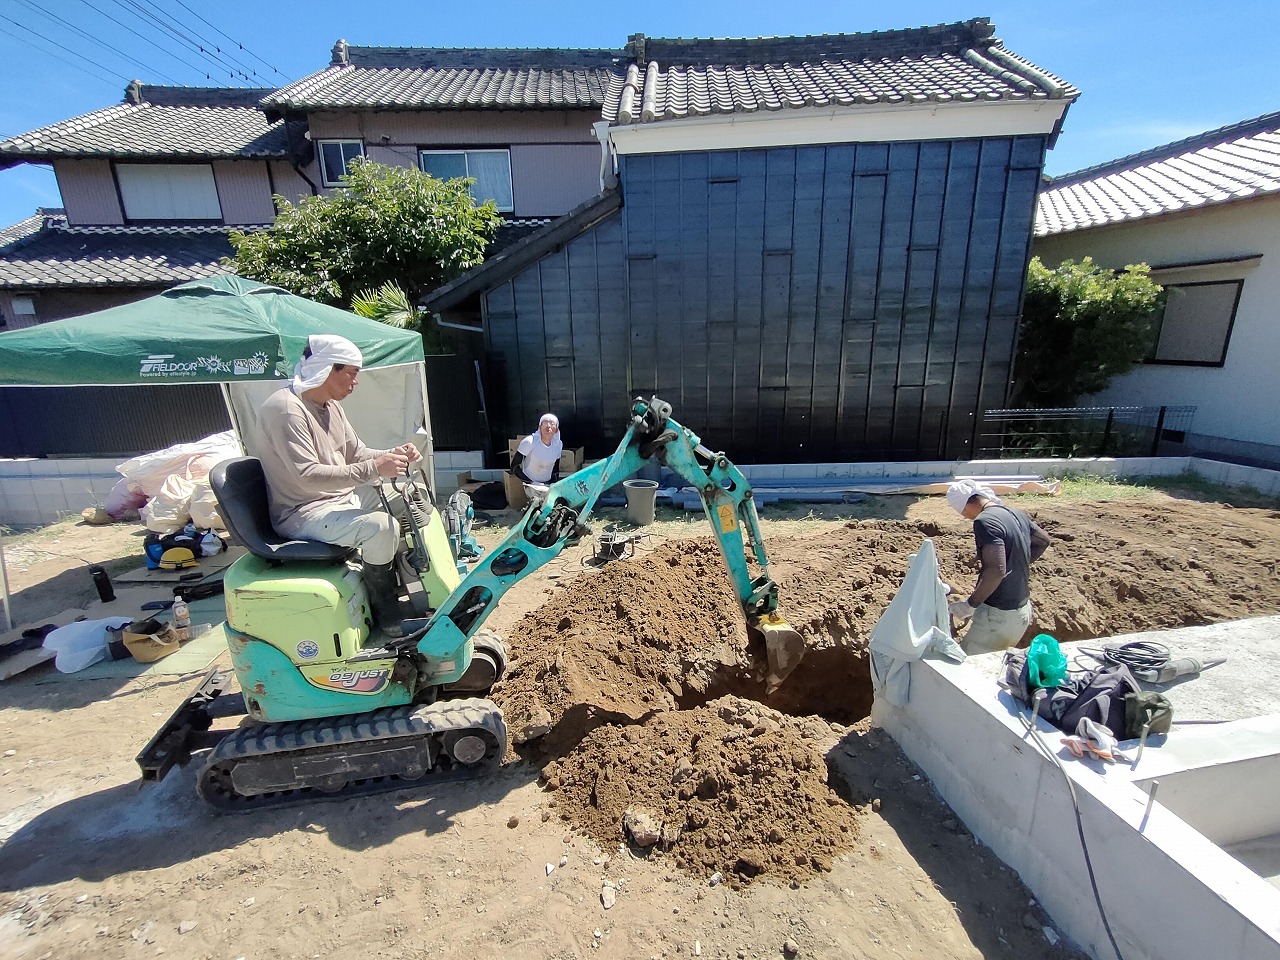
[1149,72]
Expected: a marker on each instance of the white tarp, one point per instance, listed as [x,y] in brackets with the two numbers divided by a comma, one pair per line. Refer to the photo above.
[916,620]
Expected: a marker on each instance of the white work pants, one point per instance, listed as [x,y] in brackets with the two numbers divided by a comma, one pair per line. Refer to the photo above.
[360,521]
[995,629]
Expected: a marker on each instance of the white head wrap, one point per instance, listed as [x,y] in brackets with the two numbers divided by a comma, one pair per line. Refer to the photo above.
[326,350]
[550,418]
[962,491]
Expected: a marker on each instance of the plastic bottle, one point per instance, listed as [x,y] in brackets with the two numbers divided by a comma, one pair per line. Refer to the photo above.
[182,620]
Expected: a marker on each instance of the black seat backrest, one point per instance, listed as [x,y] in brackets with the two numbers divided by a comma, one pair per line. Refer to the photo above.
[241,489]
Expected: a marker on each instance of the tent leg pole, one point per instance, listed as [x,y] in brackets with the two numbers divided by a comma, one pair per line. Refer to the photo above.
[4,583]
[429,453]
[231,415]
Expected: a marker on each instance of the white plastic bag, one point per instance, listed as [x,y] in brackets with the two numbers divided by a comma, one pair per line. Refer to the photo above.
[204,508]
[170,509]
[80,644]
[124,499]
[150,470]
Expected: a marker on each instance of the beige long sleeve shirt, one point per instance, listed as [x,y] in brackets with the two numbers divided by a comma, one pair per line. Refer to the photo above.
[311,456]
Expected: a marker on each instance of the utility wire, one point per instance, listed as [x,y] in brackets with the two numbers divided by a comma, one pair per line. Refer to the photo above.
[232,39]
[202,42]
[55,43]
[217,60]
[167,53]
[91,38]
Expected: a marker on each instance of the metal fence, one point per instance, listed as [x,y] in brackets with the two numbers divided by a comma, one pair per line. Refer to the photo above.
[1081,432]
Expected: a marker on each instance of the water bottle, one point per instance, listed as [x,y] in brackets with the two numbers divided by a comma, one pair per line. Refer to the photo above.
[103,583]
[181,620]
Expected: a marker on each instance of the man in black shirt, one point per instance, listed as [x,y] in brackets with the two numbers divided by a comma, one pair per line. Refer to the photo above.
[1008,542]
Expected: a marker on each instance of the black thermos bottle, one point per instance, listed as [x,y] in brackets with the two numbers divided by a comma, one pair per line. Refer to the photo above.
[103,583]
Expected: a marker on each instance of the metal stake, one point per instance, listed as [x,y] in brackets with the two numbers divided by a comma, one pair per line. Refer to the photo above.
[1146,728]
[1151,799]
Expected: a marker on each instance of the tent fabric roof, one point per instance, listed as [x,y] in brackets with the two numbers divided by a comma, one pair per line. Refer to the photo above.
[1231,163]
[222,329]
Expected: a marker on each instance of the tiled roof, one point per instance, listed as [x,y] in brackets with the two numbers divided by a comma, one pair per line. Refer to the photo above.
[958,62]
[25,228]
[511,232]
[58,255]
[169,122]
[1231,163]
[428,78]
[510,258]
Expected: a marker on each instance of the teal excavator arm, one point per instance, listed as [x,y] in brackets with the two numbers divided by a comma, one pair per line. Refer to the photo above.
[550,523]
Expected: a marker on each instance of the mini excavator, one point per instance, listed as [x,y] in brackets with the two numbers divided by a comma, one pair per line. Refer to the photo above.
[337,707]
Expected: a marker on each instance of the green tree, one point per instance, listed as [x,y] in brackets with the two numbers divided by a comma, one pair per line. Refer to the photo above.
[1082,325]
[390,305]
[387,225]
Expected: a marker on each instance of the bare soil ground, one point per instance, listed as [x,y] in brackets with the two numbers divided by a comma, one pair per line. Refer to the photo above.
[825,840]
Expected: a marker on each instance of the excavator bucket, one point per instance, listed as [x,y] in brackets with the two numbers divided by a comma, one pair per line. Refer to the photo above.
[782,643]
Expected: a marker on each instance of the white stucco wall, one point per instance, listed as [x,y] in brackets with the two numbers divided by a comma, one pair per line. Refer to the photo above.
[1234,401]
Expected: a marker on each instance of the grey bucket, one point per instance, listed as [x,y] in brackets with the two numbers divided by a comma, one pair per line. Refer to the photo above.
[641,495]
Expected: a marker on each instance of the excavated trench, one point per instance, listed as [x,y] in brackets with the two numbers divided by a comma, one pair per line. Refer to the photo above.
[640,694]
[640,691]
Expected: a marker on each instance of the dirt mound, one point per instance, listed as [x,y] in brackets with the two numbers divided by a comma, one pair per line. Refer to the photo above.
[708,786]
[613,673]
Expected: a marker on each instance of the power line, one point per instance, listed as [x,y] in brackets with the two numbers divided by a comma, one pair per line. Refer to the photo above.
[218,60]
[232,39]
[91,38]
[167,53]
[55,43]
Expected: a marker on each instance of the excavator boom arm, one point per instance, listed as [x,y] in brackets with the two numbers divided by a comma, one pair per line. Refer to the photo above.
[548,525]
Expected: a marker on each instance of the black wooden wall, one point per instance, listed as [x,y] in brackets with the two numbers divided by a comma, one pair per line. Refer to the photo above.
[107,421]
[807,304]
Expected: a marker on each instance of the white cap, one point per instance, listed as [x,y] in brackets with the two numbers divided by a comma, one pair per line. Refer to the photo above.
[962,491]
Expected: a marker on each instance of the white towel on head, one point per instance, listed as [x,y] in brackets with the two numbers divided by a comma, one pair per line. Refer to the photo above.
[326,350]
[962,491]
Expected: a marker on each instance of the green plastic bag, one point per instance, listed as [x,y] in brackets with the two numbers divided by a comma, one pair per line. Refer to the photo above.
[1046,663]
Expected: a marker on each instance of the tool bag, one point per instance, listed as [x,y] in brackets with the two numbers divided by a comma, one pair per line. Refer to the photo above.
[1109,695]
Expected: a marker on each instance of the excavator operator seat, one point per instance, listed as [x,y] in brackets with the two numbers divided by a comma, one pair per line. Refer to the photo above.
[241,489]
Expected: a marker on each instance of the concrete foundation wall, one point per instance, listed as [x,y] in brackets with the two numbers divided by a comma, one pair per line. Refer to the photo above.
[1228,802]
[1170,893]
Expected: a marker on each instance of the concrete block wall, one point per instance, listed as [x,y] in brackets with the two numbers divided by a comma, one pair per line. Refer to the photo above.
[37,492]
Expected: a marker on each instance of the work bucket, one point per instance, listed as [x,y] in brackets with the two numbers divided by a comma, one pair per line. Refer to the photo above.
[641,495]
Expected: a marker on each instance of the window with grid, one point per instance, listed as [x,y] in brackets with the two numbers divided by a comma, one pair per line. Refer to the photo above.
[491,170]
[335,155]
[1196,326]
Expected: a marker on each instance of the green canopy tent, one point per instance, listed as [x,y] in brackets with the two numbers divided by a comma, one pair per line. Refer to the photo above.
[245,336]
[224,329]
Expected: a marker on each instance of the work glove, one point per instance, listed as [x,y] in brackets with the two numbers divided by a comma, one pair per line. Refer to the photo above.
[960,609]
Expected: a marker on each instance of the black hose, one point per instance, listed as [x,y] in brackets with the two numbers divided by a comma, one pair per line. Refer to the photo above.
[1136,654]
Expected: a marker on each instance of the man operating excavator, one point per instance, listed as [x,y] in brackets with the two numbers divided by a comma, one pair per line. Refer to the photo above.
[319,473]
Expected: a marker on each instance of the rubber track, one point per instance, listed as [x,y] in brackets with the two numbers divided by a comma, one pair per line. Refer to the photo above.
[314,736]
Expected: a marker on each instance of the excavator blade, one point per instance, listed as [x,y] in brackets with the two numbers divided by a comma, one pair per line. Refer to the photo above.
[782,643]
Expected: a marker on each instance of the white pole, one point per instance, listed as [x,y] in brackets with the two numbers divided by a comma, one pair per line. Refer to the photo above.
[231,414]
[4,582]
[429,451]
